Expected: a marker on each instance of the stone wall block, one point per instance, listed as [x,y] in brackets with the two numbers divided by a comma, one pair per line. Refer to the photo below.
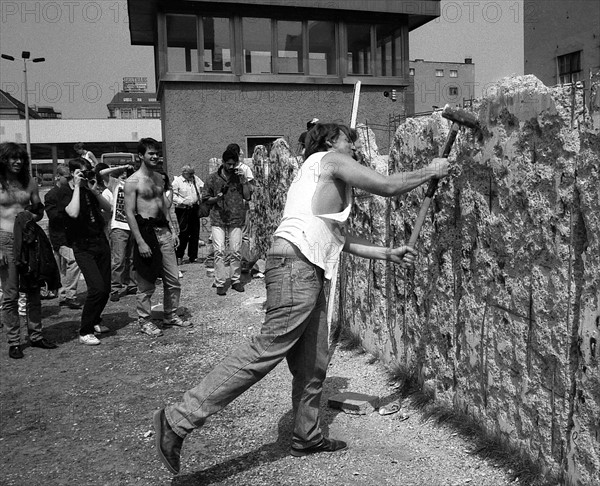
[500,317]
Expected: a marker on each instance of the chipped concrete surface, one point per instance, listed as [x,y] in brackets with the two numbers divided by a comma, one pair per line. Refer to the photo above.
[501,316]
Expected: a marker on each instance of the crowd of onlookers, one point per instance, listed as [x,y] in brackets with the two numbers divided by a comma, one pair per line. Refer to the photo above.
[122,228]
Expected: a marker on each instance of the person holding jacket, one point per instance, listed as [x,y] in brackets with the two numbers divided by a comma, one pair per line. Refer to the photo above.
[18,197]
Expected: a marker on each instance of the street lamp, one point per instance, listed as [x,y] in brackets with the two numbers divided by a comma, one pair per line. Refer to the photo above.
[25,55]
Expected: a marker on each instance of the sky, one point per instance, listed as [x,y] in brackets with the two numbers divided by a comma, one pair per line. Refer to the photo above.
[88,52]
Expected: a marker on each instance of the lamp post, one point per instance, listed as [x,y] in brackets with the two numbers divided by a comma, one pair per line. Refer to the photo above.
[25,55]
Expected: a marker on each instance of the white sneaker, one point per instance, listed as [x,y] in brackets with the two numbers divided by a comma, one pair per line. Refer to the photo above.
[149,328]
[101,329]
[89,340]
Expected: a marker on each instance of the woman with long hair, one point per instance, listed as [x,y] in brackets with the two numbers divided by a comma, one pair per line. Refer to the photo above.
[19,200]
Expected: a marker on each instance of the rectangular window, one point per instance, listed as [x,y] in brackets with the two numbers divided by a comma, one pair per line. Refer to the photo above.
[439,73]
[256,45]
[569,68]
[453,73]
[322,58]
[389,53]
[126,113]
[182,43]
[359,49]
[217,44]
[411,71]
[290,51]
[453,91]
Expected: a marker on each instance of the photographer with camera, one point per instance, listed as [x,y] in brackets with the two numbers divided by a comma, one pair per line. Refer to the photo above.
[229,191]
[81,204]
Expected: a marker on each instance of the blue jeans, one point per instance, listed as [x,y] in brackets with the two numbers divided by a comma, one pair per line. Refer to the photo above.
[295,328]
[122,275]
[9,277]
[218,234]
[69,273]
[93,257]
[170,280]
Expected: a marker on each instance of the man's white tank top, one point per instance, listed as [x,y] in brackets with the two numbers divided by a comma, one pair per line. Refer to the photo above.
[318,237]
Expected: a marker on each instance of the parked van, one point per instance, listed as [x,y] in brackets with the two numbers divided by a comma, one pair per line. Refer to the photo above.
[118,158]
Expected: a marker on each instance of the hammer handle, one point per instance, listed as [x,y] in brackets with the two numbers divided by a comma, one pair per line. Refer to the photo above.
[433,184]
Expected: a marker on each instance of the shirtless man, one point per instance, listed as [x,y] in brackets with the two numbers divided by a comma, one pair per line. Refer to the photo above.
[18,190]
[149,218]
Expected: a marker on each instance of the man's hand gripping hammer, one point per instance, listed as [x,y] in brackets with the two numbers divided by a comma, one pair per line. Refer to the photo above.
[458,118]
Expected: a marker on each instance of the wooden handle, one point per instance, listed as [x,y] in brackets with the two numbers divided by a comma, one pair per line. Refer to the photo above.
[433,184]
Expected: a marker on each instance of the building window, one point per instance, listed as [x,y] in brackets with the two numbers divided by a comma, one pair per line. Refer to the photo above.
[205,44]
[453,73]
[182,43]
[153,113]
[217,44]
[439,73]
[569,68]
[359,49]
[256,45]
[322,58]
[290,54]
[453,91]
[127,99]
[389,50]
[411,71]
[126,113]
[151,99]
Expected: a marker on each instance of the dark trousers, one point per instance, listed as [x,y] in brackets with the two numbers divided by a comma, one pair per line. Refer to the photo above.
[93,258]
[189,232]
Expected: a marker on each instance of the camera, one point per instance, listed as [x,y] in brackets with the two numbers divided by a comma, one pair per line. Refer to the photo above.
[88,174]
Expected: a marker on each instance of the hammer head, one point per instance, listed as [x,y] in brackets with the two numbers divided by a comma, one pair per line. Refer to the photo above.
[462,117]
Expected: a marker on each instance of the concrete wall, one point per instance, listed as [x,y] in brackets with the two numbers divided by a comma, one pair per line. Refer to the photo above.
[501,316]
[201,119]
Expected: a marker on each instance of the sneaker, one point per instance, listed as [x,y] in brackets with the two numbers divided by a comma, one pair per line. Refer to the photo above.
[101,329]
[89,340]
[71,304]
[238,287]
[221,291]
[131,291]
[259,275]
[180,274]
[115,297]
[149,328]
[177,321]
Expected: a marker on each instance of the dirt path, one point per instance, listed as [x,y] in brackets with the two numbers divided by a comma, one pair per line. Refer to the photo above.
[83,415]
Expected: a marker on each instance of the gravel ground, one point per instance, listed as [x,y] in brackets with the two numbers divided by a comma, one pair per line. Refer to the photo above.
[83,416]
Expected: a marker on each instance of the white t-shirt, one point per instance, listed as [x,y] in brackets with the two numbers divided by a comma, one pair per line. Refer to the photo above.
[117,200]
